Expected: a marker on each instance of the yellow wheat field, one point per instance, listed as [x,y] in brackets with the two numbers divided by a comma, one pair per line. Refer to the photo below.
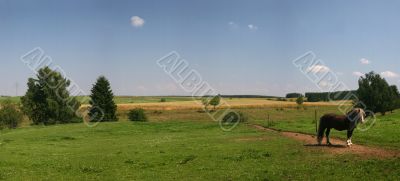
[225,103]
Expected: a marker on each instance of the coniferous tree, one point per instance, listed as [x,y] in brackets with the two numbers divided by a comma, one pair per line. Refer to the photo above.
[47,99]
[103,107]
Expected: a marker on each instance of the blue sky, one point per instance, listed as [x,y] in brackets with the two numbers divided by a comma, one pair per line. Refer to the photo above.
[238,46]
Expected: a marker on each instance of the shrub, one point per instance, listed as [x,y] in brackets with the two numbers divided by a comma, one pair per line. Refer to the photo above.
[234,117]
[137,115]
[10,116]
[215,101]
[205,103]
[300,101]
[281,99]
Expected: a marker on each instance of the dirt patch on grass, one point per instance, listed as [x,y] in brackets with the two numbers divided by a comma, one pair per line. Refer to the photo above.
[338,146]
[252,138]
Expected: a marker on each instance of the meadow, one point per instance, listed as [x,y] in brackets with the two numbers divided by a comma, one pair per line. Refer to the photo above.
[173,151]
[180,141]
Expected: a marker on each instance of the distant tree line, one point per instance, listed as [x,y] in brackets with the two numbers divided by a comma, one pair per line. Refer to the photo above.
[294,95]
[48,101]
[374,94]
[329,96]
[242,96]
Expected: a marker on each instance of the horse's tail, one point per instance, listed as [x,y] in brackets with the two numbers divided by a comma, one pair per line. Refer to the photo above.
[321,130]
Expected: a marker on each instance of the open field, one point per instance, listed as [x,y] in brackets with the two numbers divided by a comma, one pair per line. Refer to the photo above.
[12,99]
[173,151]
[181,141]
[140,99]
[188,103]
[185,108]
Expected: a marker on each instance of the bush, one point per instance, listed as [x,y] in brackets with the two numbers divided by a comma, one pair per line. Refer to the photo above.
[234,117]
[137,115]
[10,116]
[215,101]
[300,101]
[281,99]
[163,100]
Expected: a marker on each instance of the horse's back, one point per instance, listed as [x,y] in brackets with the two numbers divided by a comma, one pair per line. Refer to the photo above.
[339,122]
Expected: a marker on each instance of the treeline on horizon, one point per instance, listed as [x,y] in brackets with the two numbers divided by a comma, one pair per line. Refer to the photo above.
[324,96]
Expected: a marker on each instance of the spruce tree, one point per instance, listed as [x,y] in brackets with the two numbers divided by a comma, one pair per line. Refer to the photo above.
[103,107]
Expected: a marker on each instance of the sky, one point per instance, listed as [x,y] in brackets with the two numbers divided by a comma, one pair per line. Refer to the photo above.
[237,46]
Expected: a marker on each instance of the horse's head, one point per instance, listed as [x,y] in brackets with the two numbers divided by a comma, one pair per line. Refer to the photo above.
[357,114]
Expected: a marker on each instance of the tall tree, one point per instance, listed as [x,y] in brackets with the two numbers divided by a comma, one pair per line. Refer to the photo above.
[395,103]
[375,93]
[103,107]
[47,99]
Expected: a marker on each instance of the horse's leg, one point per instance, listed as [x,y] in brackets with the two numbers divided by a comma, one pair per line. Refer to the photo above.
[328,130]
[321,131]
[349,134]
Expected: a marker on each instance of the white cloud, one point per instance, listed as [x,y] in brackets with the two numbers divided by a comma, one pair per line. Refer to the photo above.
[233,24]
[358,74]
[252,27]
[365,61]
[325,84]
[389,74]
[137,21]
[318,69]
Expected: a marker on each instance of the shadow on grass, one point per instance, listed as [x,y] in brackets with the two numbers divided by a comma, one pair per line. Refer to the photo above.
[325,145]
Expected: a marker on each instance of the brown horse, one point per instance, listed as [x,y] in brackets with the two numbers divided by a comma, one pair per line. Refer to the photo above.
[340,122]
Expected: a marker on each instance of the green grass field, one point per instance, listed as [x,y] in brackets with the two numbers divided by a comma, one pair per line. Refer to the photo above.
[173,151]
[180,144]
[12,99]
[383,133]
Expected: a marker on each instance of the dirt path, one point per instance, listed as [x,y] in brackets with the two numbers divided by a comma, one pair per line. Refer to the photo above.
[338,146]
